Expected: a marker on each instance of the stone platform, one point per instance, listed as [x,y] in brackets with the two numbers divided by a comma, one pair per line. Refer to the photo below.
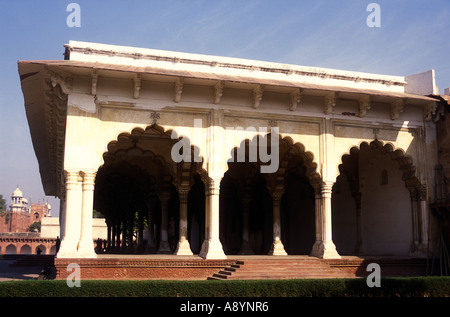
[132,267]
[171,267]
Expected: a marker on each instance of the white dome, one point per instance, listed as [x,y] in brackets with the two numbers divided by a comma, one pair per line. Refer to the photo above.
[17,193]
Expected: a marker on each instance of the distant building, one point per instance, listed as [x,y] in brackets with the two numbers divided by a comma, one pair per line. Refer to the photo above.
[15,237]
[21,214]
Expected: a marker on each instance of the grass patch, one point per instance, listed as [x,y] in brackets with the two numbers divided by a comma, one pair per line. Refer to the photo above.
[390,287]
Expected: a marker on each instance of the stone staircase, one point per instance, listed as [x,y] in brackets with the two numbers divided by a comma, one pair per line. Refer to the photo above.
[253,269]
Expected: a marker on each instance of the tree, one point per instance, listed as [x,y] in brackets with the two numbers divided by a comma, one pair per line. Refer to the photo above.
[2,204]
[3,212]
[35,227]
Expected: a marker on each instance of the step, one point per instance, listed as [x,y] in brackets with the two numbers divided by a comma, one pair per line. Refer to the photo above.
[253,269]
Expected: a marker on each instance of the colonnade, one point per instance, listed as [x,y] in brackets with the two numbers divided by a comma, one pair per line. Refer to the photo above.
[76,222]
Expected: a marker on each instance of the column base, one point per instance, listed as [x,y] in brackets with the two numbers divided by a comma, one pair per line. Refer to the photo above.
[316,249]
[164,248]
[245,248]
[212,249]
[358,249]
[151,246]
[67,250]
[183,248]
[419,250]
[277,248]
[86,250]
[325,250]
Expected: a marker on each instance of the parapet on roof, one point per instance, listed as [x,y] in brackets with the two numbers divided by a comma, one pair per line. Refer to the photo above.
[231,69]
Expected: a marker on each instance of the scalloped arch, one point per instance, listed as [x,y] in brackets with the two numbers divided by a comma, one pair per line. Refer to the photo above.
[397,154]
[154,129]
[288,149]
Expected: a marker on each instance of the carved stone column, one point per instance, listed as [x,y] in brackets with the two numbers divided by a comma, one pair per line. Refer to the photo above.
[164,246]
[212,247]
[277,246]
[245,246]
[72,223]
[86,244]
[422,222]
[327,250]
[130,231]
[150,230]
[183,247]
[358,246]
[118,236]
[123,246]
[318,220]
[140,233]
[415,234]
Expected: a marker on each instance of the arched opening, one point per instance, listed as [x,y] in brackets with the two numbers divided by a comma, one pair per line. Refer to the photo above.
[248,199]
[137,190]
[40,249]
[372,205]
[25,249]
[11,249]
[298,212]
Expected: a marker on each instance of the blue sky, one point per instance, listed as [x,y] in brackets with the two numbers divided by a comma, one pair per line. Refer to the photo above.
[413,37]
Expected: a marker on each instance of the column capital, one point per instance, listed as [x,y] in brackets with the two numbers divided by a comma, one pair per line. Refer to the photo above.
[183,193]
[88,180]
[72,177]
[327,188]
[276,196]
[421,193]
[164,196]
[212,185]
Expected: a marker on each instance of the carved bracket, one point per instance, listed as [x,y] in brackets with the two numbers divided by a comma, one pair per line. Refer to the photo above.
[94,79]
[64,82]
[432,111]
[363,106]
[396,107]
[218,92]
[137,86]
[296,96]
[178,89]
[257,96]
[330,102]
[155,116]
